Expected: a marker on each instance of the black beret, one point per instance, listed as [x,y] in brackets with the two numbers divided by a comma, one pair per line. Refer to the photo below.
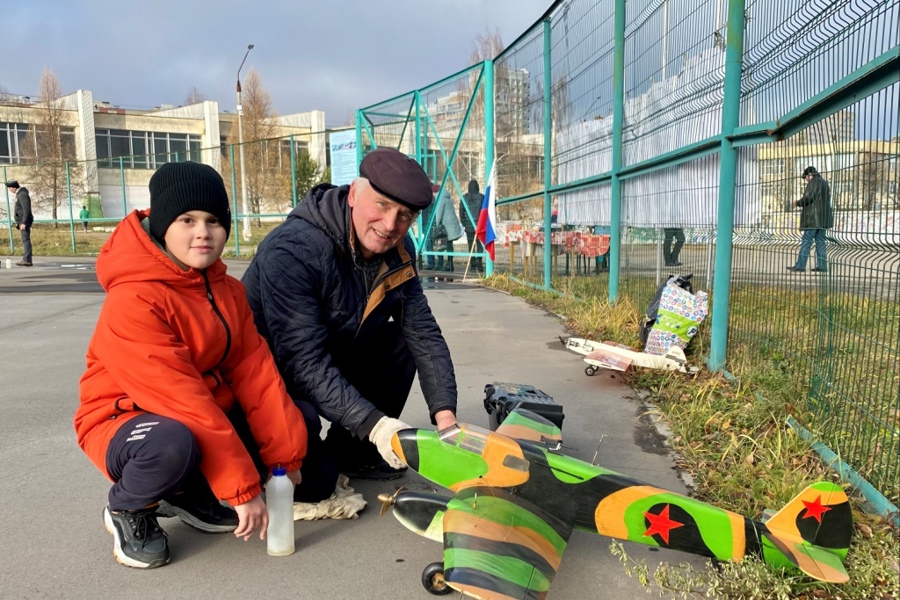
[12,183]
[398,177]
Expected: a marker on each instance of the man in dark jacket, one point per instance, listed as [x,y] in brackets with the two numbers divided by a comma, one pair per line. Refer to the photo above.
[23,218]
[473,201]
[816,216]
[335,291]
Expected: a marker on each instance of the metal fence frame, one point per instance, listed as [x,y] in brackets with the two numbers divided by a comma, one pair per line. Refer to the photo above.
[845,78]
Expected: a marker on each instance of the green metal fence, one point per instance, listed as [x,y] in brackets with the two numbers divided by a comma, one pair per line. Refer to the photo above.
[443,126]
[621,127]
[278,173]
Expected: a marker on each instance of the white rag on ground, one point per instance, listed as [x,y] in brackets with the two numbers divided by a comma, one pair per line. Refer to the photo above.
[344,503]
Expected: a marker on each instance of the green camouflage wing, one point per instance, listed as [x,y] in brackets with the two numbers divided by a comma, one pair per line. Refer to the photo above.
[498,546]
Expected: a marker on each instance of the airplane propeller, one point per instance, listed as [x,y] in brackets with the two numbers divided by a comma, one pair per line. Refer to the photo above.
[387,500]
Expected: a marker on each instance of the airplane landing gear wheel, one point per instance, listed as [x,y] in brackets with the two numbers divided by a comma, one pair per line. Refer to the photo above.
[590,370]
[433,580]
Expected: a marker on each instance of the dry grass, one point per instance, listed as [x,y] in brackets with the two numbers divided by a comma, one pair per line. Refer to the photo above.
[731,436]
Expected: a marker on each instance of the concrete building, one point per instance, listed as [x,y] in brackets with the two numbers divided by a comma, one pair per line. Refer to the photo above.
[863,174]
[117,150]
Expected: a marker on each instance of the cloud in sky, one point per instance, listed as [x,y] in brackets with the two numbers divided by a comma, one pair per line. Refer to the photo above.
[333,55]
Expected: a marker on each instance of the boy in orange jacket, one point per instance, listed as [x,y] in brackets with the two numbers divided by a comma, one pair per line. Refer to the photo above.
[181,403]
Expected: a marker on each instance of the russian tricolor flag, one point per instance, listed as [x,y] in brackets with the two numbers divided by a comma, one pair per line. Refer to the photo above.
[487,218]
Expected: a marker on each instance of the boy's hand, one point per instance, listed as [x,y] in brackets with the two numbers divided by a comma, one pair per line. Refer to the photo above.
[252,515]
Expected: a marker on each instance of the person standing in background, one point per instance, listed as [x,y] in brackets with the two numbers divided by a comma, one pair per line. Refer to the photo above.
[450,228]
[816,217]
[84,215]
[23,218]
[670,252]
[473,201]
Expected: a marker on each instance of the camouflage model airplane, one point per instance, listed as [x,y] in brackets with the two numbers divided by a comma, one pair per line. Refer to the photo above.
[517,500]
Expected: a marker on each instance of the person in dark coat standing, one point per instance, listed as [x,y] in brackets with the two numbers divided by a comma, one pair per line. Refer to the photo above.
[473,201]
[23,218]
[670,252]
[334,290]
[816,217]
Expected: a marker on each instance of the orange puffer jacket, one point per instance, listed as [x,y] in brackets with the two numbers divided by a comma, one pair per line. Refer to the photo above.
[182,344]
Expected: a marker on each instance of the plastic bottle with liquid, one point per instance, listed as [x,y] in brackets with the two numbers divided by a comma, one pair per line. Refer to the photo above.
[280,505]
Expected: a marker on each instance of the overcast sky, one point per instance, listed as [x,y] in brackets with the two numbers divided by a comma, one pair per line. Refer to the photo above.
[332,55]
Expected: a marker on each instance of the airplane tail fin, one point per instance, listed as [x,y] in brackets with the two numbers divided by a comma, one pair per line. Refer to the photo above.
[812,532]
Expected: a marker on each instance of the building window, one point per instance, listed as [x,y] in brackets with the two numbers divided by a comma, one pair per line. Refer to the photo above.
[771,167]
[19,144]
[12,140]
[139,152]
[144,149]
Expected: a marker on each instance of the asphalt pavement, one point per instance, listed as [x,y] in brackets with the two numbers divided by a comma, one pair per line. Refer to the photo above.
[54,544]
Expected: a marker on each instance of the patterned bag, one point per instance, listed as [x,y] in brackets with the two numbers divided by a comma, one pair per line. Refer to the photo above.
[678,319]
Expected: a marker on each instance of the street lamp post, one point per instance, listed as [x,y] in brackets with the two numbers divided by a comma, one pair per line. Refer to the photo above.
[240,112]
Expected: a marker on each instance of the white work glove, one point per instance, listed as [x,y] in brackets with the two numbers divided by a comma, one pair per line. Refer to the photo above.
[381,436]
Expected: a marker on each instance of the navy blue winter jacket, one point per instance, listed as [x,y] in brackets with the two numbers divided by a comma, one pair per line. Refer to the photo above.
[309,300]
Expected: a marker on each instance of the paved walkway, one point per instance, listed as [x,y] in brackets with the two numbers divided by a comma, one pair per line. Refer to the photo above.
[54,544]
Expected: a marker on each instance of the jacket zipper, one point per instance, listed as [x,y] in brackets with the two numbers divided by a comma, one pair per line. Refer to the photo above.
[212,301]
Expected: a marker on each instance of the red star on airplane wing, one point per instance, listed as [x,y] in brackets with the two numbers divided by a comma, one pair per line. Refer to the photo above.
[661,524]
[815,509]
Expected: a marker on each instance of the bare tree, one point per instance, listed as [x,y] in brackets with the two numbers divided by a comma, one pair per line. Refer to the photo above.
[518,161]
[872,175]
[195,96]
[50,147]
[485,46]
[268,160]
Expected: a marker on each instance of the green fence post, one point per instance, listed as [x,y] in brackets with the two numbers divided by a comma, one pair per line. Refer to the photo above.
[615,184]
[122,179]
[293,175]
[359,140]
[548,173]
[489,141]
[418,127]
[423,228]
[71,215]
[234,213]
[9,214]
[731,120]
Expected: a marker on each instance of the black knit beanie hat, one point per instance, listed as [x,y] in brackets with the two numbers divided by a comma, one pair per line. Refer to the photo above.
[177,188]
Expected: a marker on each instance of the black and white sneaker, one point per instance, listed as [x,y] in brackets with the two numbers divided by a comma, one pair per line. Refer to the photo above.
[139,541]
[209,516]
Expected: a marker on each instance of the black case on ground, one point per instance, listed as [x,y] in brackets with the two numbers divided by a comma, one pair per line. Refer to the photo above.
[502,398]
